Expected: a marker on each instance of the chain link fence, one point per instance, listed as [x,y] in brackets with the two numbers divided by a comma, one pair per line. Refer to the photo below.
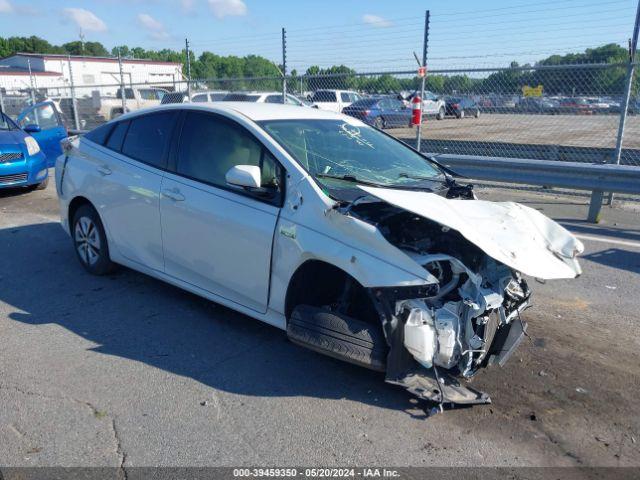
[565,112]
[539,111]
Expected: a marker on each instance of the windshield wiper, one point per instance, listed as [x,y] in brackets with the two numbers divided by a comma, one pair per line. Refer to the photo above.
[417,177]
[350,178]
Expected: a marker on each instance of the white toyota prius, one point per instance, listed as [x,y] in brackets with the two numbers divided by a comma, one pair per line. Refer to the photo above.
[352,242]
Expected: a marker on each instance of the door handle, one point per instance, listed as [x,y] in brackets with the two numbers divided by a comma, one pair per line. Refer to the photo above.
[104,170]
[174,194]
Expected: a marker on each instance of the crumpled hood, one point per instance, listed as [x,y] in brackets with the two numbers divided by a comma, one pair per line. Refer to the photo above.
[513,234]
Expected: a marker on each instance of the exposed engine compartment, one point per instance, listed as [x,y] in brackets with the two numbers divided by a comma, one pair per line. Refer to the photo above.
[462,327]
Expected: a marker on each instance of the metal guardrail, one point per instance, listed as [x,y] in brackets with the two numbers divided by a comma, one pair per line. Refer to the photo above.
[572,175]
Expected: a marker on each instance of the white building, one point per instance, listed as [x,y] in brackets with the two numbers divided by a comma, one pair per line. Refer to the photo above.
[54,72]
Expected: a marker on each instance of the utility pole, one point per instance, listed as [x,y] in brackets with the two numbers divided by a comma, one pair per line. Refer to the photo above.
[123,94]
[186,48]
[284,66]
[597,195]
[74,103]
[33,93]
[424,65]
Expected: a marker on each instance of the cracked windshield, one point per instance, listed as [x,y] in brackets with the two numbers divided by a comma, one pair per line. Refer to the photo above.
[337,152]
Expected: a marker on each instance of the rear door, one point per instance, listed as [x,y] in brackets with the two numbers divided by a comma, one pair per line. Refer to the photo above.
[215,236]
[52,130]
[124,185]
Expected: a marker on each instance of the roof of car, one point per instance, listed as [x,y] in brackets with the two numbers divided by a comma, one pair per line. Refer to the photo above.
[255,111]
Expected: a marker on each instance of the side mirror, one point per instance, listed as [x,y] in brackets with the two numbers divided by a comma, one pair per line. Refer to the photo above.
[245,176]
[32,128]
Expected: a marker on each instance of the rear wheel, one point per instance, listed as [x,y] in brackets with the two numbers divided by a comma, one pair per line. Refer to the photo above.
[460,114]
[90,241]
[477,115]
[440,114]
[379,123]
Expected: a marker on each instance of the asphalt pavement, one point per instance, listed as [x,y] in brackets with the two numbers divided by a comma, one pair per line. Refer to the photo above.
[125,370]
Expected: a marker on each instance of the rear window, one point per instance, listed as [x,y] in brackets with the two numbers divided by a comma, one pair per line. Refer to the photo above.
[324,97]
[240,97]
[99,135]
[216,97]
[148,138]
[117,136]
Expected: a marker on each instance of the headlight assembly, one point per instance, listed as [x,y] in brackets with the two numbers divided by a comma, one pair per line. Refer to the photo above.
[32,146]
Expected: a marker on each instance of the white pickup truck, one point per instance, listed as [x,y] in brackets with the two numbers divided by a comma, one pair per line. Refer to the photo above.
[110,107]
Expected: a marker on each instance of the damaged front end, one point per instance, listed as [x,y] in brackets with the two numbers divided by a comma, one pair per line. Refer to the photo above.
[471,322]
[470,318]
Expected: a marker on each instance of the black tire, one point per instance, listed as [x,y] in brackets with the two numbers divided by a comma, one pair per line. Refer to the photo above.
[477,115]
[43,184]
[90,241]
[440,114]
[379,123]
[338,336]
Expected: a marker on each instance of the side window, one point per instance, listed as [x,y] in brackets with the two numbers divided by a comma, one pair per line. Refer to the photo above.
[117,136]
[128,93]
[210,146]
[148,137]
[201,97]
[99,135]
[147,94]
[344,96]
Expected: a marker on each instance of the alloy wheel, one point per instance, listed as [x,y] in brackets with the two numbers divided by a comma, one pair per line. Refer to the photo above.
[87,240]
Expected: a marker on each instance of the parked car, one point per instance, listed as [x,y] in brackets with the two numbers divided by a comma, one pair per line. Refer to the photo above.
[135,99]
[381,112]
[576,106]
[355,244]
[22,162]
[334,100]
[538,105]
[262,97]
[461,107]
[432,104]
[183,97]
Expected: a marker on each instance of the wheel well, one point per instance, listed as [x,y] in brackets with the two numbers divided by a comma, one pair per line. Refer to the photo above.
[321,284]
[75,204]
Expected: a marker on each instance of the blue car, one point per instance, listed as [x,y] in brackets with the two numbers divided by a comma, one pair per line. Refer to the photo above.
[381,112]
[28,148]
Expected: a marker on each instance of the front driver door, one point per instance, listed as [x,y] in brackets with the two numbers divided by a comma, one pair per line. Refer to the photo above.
[46,116]
[217,237]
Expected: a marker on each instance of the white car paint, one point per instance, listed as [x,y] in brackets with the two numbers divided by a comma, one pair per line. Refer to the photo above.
[243,253]
[514,234]
[131,196]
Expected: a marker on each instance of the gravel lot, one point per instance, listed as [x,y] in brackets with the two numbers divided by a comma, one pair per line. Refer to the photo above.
[126,370]
[568,130]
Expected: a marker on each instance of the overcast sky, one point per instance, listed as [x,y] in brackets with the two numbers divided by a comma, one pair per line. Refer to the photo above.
[367,34]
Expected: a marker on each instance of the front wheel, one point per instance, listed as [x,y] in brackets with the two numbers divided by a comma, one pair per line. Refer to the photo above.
[440,114]
[379,123]
[460,114]
[43,184]
[477,115]
[90,241]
